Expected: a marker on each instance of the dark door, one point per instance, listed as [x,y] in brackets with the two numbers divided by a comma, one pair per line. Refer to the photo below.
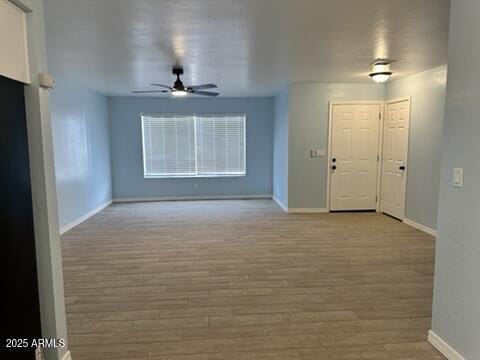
[18,281]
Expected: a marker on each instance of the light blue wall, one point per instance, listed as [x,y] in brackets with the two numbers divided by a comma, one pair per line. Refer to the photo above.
[82,151]
[456,306]
[126,148]
[280,147]
[309,115]
[427,91]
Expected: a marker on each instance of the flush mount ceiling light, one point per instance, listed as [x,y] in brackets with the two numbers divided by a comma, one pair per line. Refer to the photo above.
[381,70]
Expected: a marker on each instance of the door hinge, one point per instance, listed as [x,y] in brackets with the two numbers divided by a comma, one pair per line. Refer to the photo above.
[378,157]
[376,199]
[379,116]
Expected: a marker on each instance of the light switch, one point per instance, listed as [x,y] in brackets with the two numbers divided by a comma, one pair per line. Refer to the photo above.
[320,152]
[458,177]
[317,153]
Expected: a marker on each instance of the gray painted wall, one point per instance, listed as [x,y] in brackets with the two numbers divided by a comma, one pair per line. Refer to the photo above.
[456,306]
[82,149]
[427,91]
[280,147]
[126,148]
[309,114]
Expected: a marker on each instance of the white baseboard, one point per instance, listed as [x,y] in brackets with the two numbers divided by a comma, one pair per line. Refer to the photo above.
[420,227]
[67,356]
[440,344]
[280,203]
[81,219]
[193,198]
[308,211]
[299,210]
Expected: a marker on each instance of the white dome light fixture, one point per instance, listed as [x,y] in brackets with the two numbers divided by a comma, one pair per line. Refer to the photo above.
[381,70]
[179,93]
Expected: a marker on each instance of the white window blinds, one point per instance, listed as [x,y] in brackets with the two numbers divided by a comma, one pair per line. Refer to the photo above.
[193,145]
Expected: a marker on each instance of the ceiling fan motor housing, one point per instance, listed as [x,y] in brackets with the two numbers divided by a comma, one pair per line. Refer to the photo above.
[178,85]
[177,70]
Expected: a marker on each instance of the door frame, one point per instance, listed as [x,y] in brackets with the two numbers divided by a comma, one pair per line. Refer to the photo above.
[382,107]
[407,150]
[42,175]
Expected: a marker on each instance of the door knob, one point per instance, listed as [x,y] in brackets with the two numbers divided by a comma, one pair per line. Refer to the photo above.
[334,167]
[334,160]
[402,168]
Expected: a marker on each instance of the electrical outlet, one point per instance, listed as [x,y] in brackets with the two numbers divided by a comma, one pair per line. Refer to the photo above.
[39,354]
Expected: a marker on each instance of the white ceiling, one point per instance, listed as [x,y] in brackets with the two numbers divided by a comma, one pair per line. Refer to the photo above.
[247,47]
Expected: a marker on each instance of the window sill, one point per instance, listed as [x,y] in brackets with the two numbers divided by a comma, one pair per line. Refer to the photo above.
[153,177]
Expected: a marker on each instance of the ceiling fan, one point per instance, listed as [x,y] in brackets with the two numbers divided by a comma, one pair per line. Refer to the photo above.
[179,89]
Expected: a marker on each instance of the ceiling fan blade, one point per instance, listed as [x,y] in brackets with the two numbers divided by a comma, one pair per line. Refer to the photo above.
[164,86]
[204,93]
[149,91]
[204,86]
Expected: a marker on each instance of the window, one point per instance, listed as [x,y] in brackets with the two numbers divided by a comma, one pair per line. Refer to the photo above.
[193,145]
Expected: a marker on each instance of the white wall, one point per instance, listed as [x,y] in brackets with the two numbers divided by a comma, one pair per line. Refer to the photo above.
[456,305]
[427,92]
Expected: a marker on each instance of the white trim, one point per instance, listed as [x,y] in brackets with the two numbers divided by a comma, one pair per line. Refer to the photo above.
[308,211]
[299,210]
[440,344]
[398,99]
[367,102]
[331,104]
[81,219]
[281,204]
[420,227]
[192,198]
[329,150]
[67,356]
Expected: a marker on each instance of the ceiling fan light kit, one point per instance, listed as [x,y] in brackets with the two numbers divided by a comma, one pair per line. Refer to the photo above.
[381,70]
[179,89]
[179,93]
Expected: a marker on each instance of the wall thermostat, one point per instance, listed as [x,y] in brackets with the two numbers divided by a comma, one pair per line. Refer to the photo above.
[46,80]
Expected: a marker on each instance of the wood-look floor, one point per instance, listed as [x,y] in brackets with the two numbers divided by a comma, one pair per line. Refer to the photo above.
[242,280]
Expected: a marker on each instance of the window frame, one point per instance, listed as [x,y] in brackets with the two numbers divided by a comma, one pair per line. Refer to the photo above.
[153,115]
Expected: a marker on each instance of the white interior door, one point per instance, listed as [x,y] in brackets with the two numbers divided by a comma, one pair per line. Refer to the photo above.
[395,152]
[354,156]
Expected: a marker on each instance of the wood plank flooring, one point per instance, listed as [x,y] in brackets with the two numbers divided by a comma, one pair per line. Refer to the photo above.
[242,280]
